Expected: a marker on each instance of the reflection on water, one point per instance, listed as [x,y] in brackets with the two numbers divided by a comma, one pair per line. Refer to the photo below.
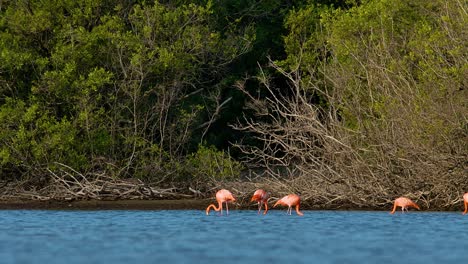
[189,236]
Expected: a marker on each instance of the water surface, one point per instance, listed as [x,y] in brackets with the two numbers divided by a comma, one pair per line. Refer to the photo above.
[189,236]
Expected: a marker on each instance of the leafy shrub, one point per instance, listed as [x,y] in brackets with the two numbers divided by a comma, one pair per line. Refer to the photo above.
[210,164]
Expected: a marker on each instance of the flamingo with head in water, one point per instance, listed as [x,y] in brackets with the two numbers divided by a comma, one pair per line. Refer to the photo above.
[404,203]
[465,202]
[261,197]
[222,196]
[290,201]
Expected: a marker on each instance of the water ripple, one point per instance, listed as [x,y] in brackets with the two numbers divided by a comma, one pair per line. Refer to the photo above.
[242,237]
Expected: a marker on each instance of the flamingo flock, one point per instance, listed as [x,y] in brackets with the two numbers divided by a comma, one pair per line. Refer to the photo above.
[261,197]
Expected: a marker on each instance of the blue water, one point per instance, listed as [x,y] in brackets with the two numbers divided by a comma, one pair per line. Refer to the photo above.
[189,236]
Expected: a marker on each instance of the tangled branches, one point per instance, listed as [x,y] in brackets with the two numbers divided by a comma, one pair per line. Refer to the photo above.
[68,184]
[307,149]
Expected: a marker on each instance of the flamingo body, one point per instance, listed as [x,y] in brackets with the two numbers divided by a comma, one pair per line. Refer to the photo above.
[261,197]
[465,202]
[222,196]
[404,203]
[290,200]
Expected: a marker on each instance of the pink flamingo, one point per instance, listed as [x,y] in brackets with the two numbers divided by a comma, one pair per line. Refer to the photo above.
[290,200]
[404,203]
[465,201]
[261,197]
[221,196]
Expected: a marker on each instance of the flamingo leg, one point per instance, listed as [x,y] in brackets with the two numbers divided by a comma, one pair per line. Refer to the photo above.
[466,207]
[259,207]
[220,208]
[227,209]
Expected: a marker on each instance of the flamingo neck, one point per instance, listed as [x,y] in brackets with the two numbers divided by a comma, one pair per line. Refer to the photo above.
[297,210]
[214,207]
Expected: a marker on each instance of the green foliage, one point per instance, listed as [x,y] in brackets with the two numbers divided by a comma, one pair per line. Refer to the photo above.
[302,42]
[399,58]
[393,73]
[32,138]
[108,85]
[209,164]
[131,88]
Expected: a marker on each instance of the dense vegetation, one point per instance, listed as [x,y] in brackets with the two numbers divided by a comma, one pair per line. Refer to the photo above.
[345,102]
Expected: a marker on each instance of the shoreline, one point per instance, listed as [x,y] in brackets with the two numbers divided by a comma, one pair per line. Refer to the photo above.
[170,204]
[167,204]
[192,204]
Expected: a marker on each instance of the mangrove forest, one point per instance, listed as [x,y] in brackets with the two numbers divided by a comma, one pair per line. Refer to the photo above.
[348,103]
